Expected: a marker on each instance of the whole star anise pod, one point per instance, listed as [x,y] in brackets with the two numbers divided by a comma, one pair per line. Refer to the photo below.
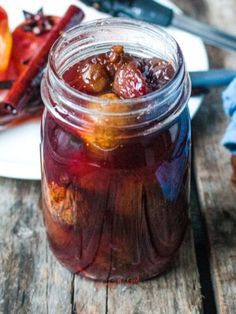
[37,23]
[29,36]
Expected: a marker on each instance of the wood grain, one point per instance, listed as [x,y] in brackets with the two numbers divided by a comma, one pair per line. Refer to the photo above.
[177,291]
[213,172]
[31,281]
[217,199]
[89,297]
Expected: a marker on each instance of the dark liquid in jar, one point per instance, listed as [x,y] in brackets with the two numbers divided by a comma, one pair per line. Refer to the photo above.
[116,212]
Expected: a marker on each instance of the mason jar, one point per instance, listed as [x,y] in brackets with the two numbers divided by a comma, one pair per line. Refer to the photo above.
[115,173]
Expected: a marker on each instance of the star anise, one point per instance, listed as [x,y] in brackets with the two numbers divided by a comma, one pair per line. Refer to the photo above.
[37,23]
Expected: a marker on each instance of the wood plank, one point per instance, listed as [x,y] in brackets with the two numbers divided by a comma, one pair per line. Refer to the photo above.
[201,251]
[213,171]
[89,296]
[31,281]
[177,291]
[217,199]
[212,162]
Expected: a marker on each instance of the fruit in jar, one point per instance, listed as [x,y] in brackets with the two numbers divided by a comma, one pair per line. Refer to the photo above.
[105,130]
[129,82]
[115,75]
[132,227]
[63,203]
[91,78]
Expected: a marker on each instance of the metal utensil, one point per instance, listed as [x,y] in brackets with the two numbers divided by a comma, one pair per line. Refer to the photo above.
[153,12]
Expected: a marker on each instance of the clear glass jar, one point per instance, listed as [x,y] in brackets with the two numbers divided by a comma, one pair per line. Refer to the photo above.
[115,184]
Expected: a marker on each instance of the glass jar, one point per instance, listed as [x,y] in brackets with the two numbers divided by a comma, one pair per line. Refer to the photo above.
[115,183]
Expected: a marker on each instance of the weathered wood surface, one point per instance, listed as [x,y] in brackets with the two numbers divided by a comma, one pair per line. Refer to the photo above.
[178,291]
[32,281]
[217,195]
[217,200]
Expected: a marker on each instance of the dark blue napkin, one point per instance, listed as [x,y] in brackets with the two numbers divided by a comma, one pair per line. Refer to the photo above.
[229,104]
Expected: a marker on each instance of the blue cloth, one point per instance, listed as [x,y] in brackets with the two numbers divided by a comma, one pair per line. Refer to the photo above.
[229,104]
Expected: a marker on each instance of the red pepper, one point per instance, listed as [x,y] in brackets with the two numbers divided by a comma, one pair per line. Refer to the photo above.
[24,94]
[5,42]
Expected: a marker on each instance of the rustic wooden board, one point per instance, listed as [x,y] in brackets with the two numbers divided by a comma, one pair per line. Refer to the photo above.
[217,194]
[217,199]
[89,297]
[32,281]
[178,291]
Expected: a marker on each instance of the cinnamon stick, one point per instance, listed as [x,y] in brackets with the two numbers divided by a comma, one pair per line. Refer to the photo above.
[28,82]
[233,163]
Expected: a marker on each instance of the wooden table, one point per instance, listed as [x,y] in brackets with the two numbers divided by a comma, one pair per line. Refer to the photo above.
[204,276]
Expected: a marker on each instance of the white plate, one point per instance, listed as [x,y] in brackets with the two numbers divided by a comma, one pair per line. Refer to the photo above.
[19,146]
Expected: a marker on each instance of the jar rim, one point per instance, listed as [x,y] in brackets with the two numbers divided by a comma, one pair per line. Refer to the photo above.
[128,23]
